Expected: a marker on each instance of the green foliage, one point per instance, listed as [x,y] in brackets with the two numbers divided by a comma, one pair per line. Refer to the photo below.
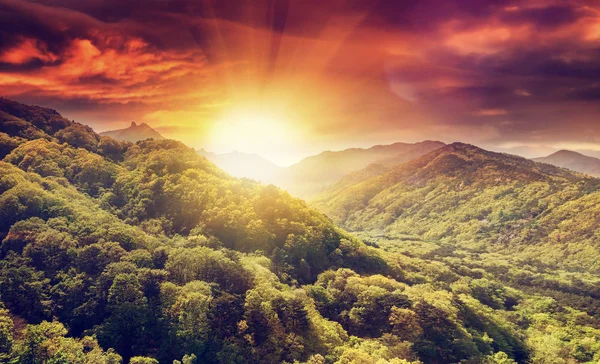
[479,200]
[148,253]
[6,334]
[46,343]
[8,143]
[142,360]
[79,136]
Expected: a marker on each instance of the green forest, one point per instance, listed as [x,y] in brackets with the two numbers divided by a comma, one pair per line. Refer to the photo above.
[119,252]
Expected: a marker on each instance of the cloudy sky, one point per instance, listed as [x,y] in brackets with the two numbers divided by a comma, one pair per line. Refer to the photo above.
[287,78]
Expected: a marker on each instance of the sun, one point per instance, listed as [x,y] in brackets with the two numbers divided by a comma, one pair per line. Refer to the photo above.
[268,132]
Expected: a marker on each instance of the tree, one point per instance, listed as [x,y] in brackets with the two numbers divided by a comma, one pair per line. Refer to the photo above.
[46,343]
[6,334]
[79,136]
[23,289]
[125,328]
[112,148]
[51,251]
[142,360]
[190,316]
[405,324]
[499,358]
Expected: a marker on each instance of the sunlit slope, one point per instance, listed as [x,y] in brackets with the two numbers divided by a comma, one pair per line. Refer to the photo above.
[484,200]
[165,188]
[314,174]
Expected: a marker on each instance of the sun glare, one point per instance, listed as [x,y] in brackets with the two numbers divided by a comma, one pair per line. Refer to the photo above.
[255,130]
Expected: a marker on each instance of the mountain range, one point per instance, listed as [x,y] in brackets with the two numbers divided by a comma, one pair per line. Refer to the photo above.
[313,174]
[304,179]
[474,198]
[331,169]
[114,251]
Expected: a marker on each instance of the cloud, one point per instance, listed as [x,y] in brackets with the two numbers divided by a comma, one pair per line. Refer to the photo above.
[491,112]
[361,69]
[522,92]
[27,50]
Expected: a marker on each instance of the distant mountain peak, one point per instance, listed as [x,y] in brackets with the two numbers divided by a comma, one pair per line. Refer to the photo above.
[135,132]
[567,152]
[573,160]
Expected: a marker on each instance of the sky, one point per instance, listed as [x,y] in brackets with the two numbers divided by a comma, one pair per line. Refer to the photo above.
[290,78]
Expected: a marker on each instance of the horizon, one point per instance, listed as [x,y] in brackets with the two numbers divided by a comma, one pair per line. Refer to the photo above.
[549,149]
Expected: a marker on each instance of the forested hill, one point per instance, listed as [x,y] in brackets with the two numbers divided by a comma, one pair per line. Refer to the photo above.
[472,197]
[442,161]
[91,226]
[146,252]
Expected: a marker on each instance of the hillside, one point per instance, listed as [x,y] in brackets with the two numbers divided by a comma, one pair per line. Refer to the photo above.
[313,174]
[134,133]
[532,226]
[573,161]
[147,252]
[478,199]
[77,208]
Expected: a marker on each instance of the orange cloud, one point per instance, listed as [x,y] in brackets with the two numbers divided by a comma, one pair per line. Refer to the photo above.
[26,50]
[486,40]
[490,112]
[110,74]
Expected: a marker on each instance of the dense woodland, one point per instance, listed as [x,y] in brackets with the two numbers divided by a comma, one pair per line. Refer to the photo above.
[115,252]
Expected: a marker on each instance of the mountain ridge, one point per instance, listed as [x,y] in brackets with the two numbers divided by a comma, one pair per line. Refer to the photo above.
[456,158]
[445,190]
[319,171]
[573,160]
[315,173]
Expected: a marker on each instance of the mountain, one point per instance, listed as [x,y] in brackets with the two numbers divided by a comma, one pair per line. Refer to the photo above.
[313,174]
[474,198]
[148,247]
[244,165]
[589,152]
[146,252]
[381,166]
[134,133]
[574,161]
